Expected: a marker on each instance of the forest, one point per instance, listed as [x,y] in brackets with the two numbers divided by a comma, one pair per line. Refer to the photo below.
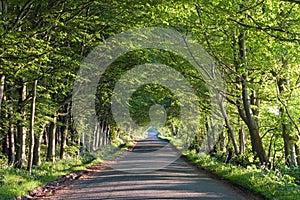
[254,46]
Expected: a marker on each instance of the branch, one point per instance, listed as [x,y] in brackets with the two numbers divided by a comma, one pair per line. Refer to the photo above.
[289,115]
[286,109]
[251,7]
[268,28]
[22,13]
[292,1]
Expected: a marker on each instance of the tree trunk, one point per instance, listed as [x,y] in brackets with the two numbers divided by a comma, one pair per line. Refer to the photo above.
[64,133]
[63,144]
[46,136]
[293,155]
[281,83]
[208,130]
[228,126]
[51,141]
[82,144]
[107,135]
[4,145]
[21,131]
[246,112]
[242,139]
[286,142]
[297,150]
[31,131]
[253,128]
[3,4]
[101,136]
[2,80]
[37,149]
[96,136]
[11,142]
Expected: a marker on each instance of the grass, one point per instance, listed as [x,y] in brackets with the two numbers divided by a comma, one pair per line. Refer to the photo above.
[17,182]
[275,185]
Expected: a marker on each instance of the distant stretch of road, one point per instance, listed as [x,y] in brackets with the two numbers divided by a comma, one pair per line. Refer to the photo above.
[149,172]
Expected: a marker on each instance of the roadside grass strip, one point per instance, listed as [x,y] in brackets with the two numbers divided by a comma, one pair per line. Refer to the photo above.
[275,185]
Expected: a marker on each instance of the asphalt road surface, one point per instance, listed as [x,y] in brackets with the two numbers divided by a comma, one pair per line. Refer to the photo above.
[152,170]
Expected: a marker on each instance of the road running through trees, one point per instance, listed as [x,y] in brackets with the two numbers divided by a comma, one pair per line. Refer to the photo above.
[136,175]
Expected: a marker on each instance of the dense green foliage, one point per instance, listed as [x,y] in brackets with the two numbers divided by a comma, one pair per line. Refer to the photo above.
[254,44]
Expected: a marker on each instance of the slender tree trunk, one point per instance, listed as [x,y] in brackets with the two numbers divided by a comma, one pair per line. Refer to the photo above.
[102,133]
[37,149]
[46,136]
[293,155]
[11,142]
[97,135]
[3,5]
[64,133]
[286,142]
[4,149]
[2,81]
[31,132]
[297,150]
[89,143]
[242,139]
[63,144]
[21,132]
[82,144]
[285,126]
[72,130]
[229,127]
[51,142]
[208,130]
[222,142]
[107,135]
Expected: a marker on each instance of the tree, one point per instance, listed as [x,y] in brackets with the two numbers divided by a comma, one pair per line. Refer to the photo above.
[31,130]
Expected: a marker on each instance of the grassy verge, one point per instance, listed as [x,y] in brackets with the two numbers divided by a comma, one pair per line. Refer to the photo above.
[17,182]
[273,185]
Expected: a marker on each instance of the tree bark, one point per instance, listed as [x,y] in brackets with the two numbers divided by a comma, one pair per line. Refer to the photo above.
[64,133]
[3,4]
[287,145]
[96,136]
[242,139]
[246,112]
[252,125]
[21,131]
[2,81]
[51,141]
[228,126]
[4,144]
[281,83]
[37,149]
[101,137]
[63,144]
[297,150]
[31,131]
[11,142]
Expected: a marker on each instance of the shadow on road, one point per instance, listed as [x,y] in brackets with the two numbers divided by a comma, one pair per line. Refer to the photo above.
[132,177]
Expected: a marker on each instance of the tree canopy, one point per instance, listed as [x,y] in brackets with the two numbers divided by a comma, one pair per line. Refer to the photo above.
[253,44]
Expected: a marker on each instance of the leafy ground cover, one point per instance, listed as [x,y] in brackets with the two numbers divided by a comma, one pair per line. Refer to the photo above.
[272,184]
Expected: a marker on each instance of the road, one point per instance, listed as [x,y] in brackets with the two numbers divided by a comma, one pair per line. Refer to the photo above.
[153,170]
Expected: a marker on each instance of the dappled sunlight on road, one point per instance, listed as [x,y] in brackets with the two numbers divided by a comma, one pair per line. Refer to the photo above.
[177,180]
